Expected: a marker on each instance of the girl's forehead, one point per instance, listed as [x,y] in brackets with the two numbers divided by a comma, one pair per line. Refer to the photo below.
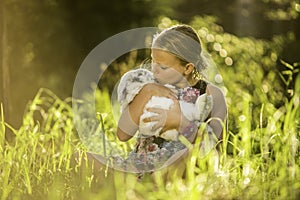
[158,53]
[164,56]
[167,60]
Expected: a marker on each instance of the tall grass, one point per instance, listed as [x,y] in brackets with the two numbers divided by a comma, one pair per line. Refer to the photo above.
[263,163]
[41,148]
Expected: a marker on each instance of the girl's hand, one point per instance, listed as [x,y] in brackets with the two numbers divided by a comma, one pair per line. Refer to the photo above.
[129,119]
[167,119]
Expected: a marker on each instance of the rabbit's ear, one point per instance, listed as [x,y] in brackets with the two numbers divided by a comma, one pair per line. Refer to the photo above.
[122,88]
[200,106]
[128,79]
[131,83]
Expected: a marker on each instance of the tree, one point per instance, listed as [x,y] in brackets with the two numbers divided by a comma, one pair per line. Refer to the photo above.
[4,58]
[49,39]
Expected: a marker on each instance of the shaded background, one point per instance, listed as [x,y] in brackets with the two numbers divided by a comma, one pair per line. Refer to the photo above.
[44,42]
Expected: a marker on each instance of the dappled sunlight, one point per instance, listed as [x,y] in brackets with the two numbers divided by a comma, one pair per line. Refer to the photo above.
[46,157]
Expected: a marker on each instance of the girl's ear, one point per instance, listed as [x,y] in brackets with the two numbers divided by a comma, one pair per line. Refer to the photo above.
[189,68]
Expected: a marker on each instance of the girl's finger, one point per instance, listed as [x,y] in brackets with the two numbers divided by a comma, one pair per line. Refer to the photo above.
[152,119]
[156,110]
[174,94]
[156,126]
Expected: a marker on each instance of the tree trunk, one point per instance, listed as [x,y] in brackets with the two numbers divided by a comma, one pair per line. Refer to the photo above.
[4,63]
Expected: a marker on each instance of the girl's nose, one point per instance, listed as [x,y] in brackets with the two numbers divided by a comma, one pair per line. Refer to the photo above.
[154,68]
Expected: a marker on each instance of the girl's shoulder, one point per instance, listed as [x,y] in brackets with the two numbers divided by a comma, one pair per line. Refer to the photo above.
[215,90]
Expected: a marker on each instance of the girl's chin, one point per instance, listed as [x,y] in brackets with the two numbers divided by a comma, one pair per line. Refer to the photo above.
[159,80]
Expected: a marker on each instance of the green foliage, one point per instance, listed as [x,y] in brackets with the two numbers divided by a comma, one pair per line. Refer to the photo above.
[46,41]
[289,75]
[259,158]
[257,18]
[97,127]
[42,148]
[282,10]
[40,163]
[248,67]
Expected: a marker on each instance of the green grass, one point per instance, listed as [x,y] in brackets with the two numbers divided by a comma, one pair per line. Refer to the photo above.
[255,163]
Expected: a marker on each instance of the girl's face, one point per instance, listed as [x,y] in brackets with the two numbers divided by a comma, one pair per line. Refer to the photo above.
[167,68]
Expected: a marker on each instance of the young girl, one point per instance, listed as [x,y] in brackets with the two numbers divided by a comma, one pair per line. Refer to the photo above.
[176,60]
[193,106]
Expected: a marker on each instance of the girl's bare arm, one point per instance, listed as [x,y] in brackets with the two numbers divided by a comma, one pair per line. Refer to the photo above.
[174,118]
[130,116]
[219,110]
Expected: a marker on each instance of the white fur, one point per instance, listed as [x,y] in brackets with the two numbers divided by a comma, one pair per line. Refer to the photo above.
[133,81]
[146,127]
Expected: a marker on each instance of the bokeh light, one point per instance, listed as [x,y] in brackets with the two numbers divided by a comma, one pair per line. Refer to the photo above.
[217,46]
[228,61]
[223,53]
[297,7]
[210,38]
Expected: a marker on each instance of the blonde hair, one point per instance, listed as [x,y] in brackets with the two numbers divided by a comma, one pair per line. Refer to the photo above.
[184,43]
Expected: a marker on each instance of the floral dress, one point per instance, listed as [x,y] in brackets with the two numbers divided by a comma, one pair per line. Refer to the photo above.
[152,152]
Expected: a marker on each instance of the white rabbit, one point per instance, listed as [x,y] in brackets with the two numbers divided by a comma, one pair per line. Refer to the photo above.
[133,81]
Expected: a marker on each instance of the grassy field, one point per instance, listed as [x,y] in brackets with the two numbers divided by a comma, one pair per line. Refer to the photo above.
[263,163]
[259,158]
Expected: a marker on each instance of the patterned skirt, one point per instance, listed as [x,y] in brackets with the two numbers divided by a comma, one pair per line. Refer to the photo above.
[151,153]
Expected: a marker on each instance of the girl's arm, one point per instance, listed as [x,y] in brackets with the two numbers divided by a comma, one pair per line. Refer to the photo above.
[219,110]
[130,116]
[174,118]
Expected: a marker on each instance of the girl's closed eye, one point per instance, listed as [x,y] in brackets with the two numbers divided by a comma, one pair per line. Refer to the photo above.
[163,67]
